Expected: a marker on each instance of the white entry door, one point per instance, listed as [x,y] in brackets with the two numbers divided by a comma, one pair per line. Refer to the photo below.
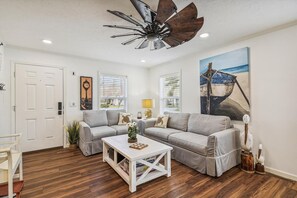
[38,92]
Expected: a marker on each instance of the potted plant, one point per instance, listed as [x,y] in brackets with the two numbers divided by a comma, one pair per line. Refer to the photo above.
[73,134]
[132,132]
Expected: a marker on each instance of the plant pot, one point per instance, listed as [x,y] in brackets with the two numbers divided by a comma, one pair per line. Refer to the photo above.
[73,146]
[130,140]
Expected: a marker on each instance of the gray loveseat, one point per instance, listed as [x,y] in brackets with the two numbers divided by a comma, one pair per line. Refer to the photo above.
[97,125]
[208,144]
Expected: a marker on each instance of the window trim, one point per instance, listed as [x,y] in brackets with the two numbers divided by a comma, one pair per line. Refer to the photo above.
[126,91]
[161,98]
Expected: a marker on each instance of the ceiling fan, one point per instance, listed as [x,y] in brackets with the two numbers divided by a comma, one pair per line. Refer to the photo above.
[166,25]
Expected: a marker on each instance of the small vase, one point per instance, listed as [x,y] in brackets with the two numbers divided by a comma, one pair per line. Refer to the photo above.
[130,140]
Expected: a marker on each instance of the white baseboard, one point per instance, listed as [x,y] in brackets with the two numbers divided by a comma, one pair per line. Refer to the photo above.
[281,173]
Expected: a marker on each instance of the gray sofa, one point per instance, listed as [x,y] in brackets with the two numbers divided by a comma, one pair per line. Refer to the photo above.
[208,144]
[97,125]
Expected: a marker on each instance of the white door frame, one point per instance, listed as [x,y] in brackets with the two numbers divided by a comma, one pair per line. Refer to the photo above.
[13,94]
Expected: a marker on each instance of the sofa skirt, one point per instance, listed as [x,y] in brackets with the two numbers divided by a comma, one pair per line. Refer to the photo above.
[91,148]
[216,166]
[212,166]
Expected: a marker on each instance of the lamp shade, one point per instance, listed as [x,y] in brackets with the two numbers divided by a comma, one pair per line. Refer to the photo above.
[147,103]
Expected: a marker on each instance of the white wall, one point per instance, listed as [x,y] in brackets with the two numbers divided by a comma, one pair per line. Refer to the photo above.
[137,81]
[273,70]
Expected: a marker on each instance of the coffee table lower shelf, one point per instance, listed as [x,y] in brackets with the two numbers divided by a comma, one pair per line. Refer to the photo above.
[154,170]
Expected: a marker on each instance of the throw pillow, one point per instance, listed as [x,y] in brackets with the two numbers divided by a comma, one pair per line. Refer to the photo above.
[162,121]
[124,118]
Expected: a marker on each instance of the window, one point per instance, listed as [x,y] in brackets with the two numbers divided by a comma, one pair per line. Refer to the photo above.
[170,93]
[112,92]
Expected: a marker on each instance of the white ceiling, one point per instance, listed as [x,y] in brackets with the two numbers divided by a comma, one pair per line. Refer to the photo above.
[75,26]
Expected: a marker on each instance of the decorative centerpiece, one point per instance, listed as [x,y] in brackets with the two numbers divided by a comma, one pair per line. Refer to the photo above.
[138,146]
[247,158]
[260,169]
[73,134]
[132,132]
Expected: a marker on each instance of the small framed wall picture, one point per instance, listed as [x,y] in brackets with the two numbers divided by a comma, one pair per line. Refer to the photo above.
[86,93]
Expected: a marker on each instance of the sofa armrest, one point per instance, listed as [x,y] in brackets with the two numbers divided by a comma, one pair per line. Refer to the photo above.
[85,132]
[223,142]
[143,124]
[149,122]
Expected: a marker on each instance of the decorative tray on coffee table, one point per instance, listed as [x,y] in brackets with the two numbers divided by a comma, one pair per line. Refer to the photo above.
[138,146]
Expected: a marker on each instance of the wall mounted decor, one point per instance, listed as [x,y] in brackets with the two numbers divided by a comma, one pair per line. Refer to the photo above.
[224,84]
[86,93]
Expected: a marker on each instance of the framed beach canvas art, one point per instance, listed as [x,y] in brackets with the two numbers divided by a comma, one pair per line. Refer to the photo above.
[224,84]
[86,93]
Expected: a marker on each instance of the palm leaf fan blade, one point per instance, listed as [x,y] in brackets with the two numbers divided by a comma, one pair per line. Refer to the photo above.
[131,40]
[193,26]
[165,9]
[143,44]
[128,34]
[157,44]
[171,41]
[184,36]
[124,27]
[125,17]
[186,15]
[143,9]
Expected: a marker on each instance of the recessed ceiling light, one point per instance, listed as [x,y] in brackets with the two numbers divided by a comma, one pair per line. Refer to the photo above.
[204,35]
[47,41]
[143,61]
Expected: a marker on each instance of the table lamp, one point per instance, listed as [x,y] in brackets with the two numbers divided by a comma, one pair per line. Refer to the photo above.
[147,104]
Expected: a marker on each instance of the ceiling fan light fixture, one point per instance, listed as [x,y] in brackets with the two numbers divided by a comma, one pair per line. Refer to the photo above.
[161,28]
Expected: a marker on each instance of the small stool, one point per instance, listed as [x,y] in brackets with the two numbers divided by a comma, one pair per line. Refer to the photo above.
[17,188]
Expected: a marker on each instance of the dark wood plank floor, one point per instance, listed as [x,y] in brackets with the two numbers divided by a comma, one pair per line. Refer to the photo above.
[67,173]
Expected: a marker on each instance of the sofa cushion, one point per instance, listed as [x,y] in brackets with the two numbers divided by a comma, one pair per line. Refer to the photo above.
[178,120]
[101,132]
[95,118]
[190,141]
[113,116]
[162,121]
[124,118]
[208,124]
[121,129]
[161,133]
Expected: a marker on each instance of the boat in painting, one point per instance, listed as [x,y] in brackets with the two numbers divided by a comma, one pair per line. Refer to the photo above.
[215,87]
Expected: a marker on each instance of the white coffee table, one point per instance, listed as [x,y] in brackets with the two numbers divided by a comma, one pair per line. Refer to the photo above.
[120,145]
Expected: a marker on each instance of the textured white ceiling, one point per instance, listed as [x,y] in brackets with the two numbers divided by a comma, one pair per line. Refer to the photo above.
[75,26]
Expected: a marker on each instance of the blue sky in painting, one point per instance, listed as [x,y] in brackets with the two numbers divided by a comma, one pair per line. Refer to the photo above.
[227,60]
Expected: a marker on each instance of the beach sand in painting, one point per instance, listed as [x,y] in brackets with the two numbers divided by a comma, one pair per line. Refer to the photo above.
[243,80]
[232,109]
[235,106]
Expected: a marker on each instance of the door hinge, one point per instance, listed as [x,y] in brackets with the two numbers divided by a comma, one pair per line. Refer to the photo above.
[14,74]
[14,108]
